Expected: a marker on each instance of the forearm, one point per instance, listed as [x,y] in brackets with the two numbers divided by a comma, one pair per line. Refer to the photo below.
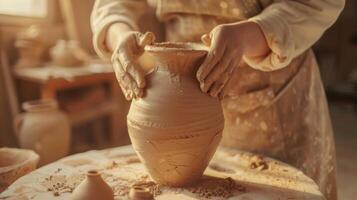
[108,14]
[291,27]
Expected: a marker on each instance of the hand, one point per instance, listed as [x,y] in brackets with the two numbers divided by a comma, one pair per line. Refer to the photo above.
[228,43]
[124,59]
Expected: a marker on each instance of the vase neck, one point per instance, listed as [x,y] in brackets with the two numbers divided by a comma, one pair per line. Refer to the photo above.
[178,58]
[179,63]
[43,105]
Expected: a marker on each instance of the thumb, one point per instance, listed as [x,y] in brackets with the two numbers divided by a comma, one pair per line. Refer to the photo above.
[146,39]
[206,39]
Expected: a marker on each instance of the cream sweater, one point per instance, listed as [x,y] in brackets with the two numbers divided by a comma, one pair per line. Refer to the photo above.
[290,26]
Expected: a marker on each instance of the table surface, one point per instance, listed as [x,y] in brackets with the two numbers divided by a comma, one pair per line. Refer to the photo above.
[255,177]
[52,72]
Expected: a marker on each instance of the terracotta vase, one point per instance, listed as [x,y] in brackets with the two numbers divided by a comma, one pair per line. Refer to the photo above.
[44,129]
[93,187]
[175,128]
[15,163]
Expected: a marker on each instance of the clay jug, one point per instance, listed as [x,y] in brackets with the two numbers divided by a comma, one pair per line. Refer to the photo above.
[175,128]
[93,187]
[44,129]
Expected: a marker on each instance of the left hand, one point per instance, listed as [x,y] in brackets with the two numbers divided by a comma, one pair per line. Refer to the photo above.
[228,44]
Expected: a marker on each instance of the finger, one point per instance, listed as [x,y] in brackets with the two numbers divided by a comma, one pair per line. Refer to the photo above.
[213,57]
[129,70]
[146,39]
[230,70]
[206,39]
[133,69]
[126,82]
[215,74]
[216,88]
[219,84]
[137,75]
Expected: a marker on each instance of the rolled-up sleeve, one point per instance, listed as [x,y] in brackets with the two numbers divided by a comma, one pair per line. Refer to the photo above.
[291,27]
[107,12]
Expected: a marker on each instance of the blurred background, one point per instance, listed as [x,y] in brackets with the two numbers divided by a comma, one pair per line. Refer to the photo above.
[46,53]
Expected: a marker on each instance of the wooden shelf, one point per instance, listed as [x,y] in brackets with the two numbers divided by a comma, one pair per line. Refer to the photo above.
[89,114]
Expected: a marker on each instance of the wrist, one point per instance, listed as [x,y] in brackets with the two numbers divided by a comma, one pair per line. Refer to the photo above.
[254,41]
[115,33]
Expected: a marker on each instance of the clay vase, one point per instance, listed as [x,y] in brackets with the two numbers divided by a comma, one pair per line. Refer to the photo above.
[175,128]
[93,187]
[44,129]
[15,163]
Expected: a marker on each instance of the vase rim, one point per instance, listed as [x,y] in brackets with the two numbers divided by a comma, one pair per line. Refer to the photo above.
[93,172]
[182,47]
[40,105]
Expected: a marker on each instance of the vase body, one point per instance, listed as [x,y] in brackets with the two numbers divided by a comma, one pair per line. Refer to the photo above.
[175,128]
[44,129]
[93,187]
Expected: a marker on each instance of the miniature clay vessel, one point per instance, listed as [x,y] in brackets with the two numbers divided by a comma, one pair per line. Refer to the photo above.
[44,129]
[15,163]
[175,128]
[140,193]
[67,53]
[93,187]
[31,47]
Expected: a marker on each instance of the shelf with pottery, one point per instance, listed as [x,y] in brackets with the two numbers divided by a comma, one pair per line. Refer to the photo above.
[53,79]
[231,174]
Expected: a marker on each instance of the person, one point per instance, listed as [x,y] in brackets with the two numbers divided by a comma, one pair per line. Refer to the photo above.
[259,64]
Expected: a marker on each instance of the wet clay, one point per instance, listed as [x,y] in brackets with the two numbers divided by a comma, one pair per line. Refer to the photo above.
[175,128]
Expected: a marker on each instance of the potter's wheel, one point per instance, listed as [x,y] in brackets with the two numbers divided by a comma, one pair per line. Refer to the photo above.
[231,175]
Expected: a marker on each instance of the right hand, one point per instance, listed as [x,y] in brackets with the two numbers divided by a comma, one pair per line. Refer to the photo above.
[124,59]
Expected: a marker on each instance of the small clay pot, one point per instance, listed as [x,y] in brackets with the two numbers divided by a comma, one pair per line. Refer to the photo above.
[44,129]
[15,163]
[67,53]
[140,193]
[175,128]
[93,187]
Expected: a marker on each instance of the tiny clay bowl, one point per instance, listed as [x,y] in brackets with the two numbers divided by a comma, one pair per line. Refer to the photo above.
[15,163]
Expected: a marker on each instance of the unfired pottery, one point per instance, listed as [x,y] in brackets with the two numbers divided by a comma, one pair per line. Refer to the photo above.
[93,187]
[175,128]
[15,163]
[44,129]
[67,54]
[31,47]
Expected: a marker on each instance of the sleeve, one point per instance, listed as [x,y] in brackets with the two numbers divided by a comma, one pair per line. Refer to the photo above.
[291,27]
[107,12]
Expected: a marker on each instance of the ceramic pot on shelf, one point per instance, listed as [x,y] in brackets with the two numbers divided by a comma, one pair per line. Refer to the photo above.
[93,187]
[68,54]
[175,128]
[44,129]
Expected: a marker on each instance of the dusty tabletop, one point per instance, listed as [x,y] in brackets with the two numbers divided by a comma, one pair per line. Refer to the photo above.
[231,174]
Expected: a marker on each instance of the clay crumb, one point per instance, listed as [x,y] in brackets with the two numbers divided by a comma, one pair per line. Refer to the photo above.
[209,188]
[219,168]
[258,162]
[59,184]
[153,188]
